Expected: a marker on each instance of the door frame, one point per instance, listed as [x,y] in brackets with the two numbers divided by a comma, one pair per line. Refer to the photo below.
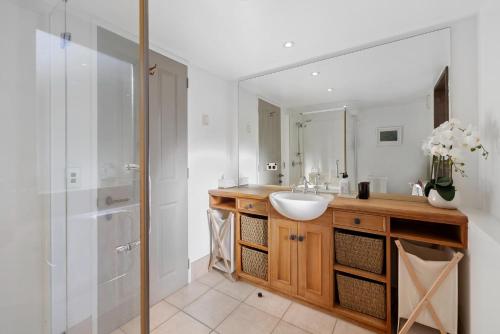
[144,160]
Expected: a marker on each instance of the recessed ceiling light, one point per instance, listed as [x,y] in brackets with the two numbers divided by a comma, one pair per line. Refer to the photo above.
[330,90]
[289,44]
[315,74]
[84,64]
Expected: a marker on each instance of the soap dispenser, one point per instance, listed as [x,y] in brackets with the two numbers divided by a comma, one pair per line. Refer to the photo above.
[344,184]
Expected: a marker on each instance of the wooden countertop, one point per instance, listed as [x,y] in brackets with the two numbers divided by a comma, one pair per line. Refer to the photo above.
[400,208]
[392,207]
[251,191]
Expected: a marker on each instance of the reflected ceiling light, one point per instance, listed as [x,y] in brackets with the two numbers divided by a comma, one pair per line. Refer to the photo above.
[289,44]
[315,74]
[330,90]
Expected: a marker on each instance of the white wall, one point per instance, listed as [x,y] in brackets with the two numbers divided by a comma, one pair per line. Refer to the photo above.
[210,149]
[403,163]
[481,270]
[489,104]
[23,204]
[484,237]
[463,80]
[480,274]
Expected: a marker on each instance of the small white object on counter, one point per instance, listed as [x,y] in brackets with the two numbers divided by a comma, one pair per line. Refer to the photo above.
[344,186]
[226,183]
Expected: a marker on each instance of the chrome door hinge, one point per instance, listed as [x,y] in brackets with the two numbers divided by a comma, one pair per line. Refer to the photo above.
[189,264]
[65,39]
[188,173]
[187,82]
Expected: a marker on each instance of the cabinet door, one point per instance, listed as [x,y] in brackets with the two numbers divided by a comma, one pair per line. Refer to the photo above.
[314,259]
[283,255]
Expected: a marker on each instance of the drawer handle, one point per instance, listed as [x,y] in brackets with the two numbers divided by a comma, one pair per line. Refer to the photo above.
[250,206]
[301,238]
[357,221]
[293,237]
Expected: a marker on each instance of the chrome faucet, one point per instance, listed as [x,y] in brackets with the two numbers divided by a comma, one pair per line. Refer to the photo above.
[306,184]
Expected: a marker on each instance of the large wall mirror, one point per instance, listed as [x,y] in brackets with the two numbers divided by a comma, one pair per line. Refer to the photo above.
[363,114]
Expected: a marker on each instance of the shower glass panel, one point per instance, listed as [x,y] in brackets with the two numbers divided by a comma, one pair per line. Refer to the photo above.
[102,169]
[69,168]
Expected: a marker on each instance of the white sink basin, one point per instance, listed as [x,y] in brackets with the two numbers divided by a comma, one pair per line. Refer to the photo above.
[300,206]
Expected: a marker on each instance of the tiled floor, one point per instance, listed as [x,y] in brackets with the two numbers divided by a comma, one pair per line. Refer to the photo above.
[214,304]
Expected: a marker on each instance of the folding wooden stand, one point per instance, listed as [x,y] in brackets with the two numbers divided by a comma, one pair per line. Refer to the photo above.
[220,231]
[426,296]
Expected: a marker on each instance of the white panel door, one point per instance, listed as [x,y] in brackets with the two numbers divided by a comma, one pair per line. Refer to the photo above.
[168,159]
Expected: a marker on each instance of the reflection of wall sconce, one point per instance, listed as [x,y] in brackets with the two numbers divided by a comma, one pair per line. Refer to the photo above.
[389,136]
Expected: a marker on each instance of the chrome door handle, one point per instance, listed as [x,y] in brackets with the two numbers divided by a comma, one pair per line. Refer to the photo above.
[128,247]
[134,244]
[111,201]
[132,166]
[123,248]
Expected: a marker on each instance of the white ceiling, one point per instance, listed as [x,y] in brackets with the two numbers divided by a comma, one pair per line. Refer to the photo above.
[398,71]
[238,38]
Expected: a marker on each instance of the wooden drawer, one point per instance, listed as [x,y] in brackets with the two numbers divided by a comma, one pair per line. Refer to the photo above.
[359,220]
[253,206]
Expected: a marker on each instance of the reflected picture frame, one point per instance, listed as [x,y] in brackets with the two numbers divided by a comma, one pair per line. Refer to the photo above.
[389,136]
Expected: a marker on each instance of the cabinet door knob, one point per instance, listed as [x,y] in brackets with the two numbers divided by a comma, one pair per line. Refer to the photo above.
[301,238]
[357,221]
[249,206]
[293,237]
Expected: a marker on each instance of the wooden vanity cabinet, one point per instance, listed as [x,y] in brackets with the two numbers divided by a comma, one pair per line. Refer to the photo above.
[283,255]
[300,257]
[314,256]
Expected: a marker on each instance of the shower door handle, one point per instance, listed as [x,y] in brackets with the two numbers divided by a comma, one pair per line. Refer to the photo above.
[128,247]
[123,248]
[134,244]
[111,201]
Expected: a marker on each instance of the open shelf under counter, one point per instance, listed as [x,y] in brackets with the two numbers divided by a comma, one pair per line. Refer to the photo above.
[361,273]
[451,235]
[253,245]
[223,203]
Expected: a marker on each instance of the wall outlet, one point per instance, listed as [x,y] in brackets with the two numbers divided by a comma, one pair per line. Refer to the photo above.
[73,178]
[271,166]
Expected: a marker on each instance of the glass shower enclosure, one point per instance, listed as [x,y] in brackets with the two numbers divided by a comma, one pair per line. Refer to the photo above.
[71,168]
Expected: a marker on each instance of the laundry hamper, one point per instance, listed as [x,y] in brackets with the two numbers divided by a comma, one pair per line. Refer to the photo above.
[432,269]
[221,224]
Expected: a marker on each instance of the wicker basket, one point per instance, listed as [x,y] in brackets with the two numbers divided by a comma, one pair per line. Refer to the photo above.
[254,262]
[362,296]
[254,230]
[360,252]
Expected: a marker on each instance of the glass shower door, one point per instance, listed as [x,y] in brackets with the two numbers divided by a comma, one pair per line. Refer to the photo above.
[95,107]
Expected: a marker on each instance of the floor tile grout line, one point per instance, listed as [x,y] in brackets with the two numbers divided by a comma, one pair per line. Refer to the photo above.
[245,298]
[335,325]
[220,323]
[291,303]
[197,320]
[173,315]
[182,308]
